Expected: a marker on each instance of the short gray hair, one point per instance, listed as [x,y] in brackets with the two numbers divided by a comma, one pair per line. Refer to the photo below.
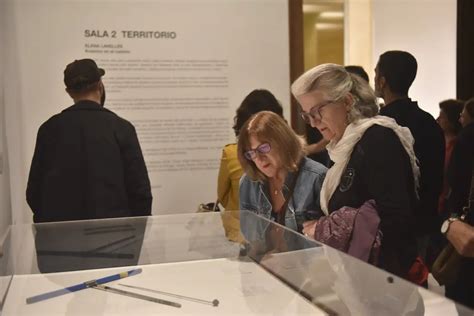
[336,82]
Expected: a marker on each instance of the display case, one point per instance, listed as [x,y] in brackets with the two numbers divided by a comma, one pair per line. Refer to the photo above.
[184,264]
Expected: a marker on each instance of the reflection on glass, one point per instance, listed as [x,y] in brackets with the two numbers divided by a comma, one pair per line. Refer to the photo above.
[334,281]
[88,245]
[188,255]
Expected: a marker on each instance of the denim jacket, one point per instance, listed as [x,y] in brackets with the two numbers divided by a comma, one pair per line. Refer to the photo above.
[255,197]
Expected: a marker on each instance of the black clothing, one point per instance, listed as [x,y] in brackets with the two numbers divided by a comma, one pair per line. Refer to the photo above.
[459,180]
[87,164]
[460,170]
[429,149]
[380,169]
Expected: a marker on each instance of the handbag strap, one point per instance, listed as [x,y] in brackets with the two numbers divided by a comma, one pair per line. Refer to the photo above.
[281,215]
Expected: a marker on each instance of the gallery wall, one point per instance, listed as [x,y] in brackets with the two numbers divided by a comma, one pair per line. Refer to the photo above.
[177,69]
[180,84]
[426,29]
[358,32]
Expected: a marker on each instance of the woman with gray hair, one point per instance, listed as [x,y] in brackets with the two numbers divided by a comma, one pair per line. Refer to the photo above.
[373,161]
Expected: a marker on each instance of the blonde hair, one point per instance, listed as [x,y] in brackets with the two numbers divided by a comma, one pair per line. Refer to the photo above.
[269,127]
[335,81]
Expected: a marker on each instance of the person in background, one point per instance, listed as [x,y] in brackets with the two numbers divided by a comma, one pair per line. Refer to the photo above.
[316,148]
[279,183]
[87,162]
[316,143]
[230,170]
[373,159]
[358,70]
[466,118]
[461,235]
[394,74]
[448,120]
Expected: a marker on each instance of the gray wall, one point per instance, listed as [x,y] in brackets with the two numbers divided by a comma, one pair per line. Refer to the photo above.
[427,29]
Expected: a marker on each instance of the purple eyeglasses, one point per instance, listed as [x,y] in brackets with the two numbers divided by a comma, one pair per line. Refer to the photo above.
[261,149]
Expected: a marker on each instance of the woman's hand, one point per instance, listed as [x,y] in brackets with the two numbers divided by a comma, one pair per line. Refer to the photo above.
[461,235]
[309,228]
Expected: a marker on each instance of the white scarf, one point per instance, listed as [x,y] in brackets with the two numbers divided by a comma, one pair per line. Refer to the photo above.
[340,152]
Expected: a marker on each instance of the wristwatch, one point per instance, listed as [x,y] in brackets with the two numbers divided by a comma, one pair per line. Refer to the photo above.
[447,223]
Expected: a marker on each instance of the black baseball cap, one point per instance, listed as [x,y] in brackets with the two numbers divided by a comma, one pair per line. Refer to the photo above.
[81,73]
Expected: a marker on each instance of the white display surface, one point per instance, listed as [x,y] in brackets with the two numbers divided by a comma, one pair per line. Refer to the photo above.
[242,288]
[177,69]
[247,280]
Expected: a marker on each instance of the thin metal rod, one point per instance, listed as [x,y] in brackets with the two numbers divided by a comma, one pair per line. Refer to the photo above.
[135,295]
[214,302]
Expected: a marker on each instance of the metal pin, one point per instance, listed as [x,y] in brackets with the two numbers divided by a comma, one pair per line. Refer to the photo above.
[135,295]
[214,302]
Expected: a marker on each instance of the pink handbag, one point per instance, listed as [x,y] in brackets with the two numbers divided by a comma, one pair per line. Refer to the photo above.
[354,231]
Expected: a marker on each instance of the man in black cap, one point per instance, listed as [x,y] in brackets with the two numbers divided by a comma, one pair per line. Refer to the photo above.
[87,162]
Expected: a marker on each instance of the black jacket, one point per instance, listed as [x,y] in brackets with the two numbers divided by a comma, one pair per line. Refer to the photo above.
[429,149]
[87,164]
[460,170]
[459,179]
[380,169]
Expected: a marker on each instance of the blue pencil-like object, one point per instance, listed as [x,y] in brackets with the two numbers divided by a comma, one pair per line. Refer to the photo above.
[81,286]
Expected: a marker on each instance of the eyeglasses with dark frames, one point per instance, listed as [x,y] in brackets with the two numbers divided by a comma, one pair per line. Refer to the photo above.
[261,149]
[315,112]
